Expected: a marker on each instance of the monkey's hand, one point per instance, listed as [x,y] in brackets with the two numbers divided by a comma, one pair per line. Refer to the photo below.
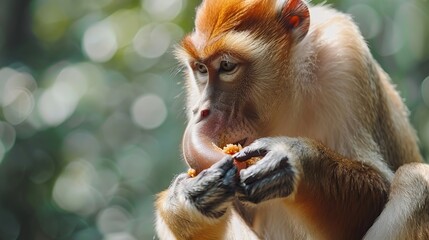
[193,206]
[275,175]
[211,191]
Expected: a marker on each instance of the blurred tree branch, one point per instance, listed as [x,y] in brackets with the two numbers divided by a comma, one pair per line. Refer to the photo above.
[15,24]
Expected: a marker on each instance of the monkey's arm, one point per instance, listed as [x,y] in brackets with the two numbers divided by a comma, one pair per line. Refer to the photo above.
[406,215]
[197,208]
[337,198]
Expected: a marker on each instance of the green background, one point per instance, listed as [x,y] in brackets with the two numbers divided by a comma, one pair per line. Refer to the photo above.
[91,106]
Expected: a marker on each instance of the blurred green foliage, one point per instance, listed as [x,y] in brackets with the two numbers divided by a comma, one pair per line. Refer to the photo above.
[91,106]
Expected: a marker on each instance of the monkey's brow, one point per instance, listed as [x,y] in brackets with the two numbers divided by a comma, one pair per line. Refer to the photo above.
[226,56]
[240,45]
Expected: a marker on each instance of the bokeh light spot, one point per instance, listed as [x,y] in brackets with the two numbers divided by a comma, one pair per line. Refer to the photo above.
[408,18]
[119,236]
[136,62]
[75,77]
[7,135]
[73,191]
[149,111]
[392,39]
[99,42]
[59,101]
[107,182]
[163,10]
[50,20]
[367,18]
[12,83]
[16,95]
[17,110]
[152,40]
[135,165]
[125,24]
[81,144]
[113,219]
[118,130]
[55,108]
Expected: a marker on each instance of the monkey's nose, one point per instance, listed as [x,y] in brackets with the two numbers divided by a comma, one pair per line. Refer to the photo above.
[204,113]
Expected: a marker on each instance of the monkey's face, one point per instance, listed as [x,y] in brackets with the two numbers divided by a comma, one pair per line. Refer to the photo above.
[231,99]
[234,81]
[220,108]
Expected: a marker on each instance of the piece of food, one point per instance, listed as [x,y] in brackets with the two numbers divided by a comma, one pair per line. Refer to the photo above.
[192,172]
[232,149]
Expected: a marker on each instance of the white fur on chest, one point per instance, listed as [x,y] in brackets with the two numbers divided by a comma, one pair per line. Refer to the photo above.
[272,221]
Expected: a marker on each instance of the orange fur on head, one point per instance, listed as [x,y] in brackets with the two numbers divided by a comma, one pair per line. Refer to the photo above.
[215,18]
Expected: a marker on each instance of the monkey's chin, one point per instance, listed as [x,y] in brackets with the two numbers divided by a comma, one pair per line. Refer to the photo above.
[199,150]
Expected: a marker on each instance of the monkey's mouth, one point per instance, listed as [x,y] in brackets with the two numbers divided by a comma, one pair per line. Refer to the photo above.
[223,143]
[201,151]
[241,142]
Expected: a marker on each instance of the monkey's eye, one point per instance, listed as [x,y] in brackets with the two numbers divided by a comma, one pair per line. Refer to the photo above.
[201,68]
[227,66]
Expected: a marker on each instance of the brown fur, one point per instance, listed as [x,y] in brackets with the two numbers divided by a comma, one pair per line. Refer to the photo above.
[323,204]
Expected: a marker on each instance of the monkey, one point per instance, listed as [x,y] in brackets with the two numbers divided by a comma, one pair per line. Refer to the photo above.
[297,86]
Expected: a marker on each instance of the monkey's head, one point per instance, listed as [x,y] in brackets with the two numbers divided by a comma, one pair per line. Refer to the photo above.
[237,67]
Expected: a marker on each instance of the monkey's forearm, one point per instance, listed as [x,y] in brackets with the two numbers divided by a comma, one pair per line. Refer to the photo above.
[340,198]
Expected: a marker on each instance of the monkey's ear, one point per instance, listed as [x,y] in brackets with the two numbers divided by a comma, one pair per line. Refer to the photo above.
[294,15]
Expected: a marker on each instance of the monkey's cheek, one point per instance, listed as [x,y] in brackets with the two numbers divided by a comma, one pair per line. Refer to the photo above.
[199,151]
